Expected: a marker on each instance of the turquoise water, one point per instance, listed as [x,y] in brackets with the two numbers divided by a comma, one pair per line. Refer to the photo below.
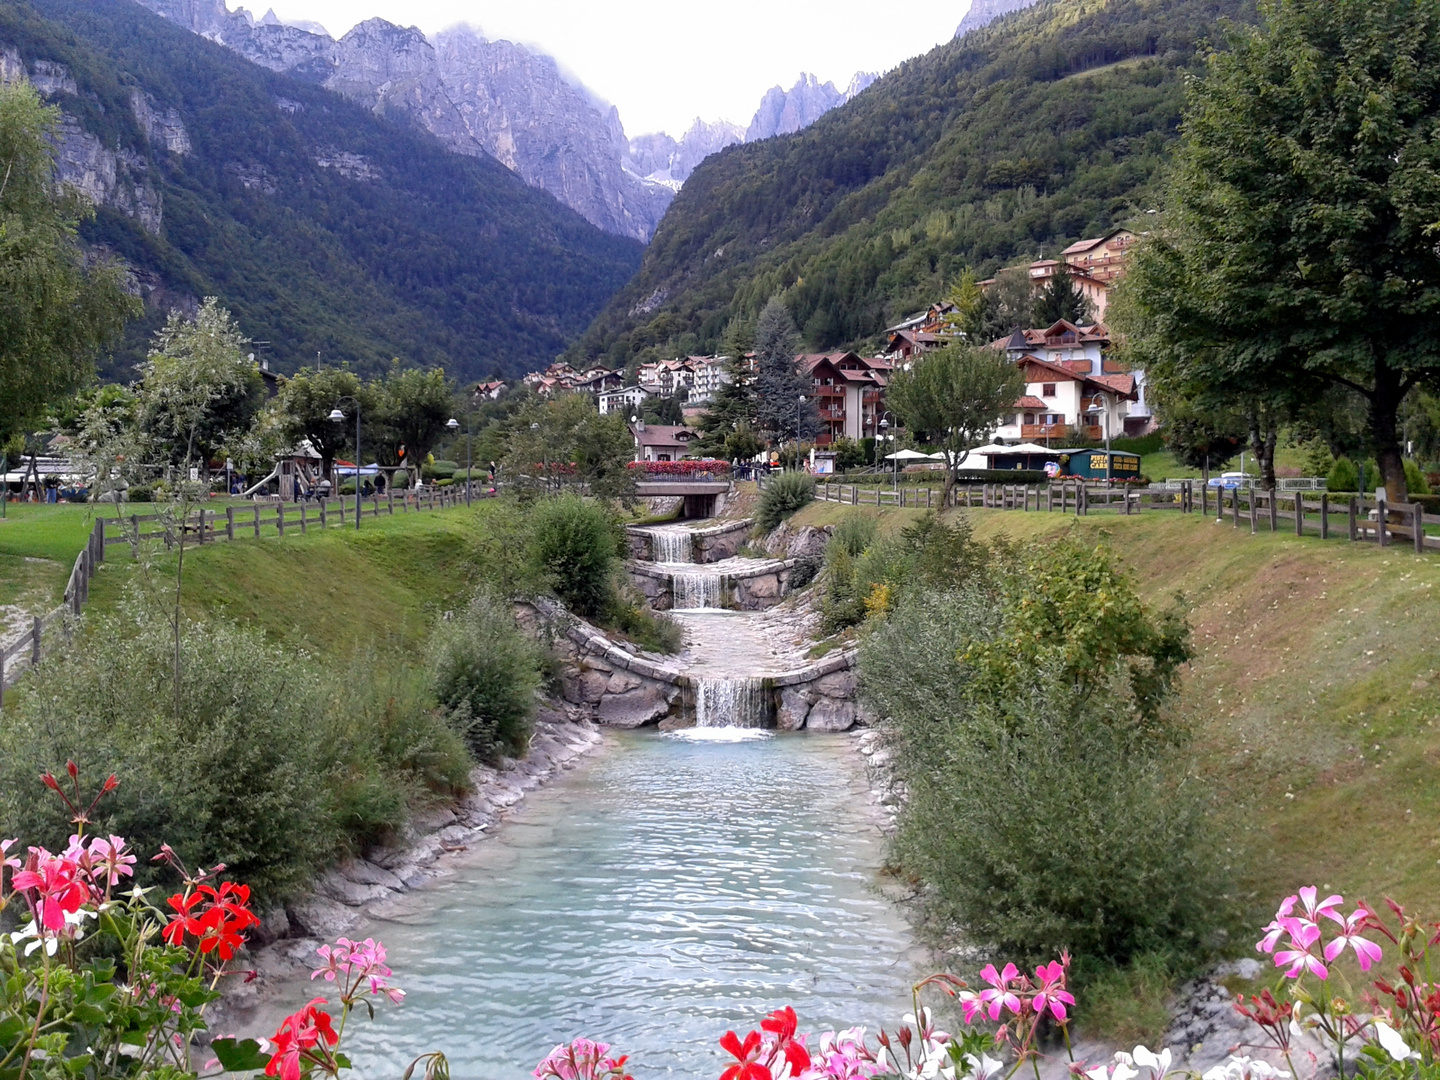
[671,890]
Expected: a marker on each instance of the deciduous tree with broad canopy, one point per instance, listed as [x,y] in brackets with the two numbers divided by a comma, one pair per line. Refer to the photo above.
[1299,246]
[956,396]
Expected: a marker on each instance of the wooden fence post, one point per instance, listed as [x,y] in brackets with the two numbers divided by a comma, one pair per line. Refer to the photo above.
[1382,527]
[390,499]
[324,515]
[1352,515]
[100,538]
[303,506]
[1325,515]
[1274,510]
[229,523]
[1235,506]
[1419,528]
[1254,513]
[280,519]
[1299,514]
[35,630]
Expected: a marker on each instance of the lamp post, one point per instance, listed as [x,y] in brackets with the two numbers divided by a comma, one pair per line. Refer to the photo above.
[454,425]
[884,434]
[338,417]
[1104,414]
[799,427]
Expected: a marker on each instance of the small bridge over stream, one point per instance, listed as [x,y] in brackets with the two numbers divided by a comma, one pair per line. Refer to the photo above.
[702,498]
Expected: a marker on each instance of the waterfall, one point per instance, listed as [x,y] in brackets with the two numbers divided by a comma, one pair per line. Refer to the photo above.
[673,545]
[740,703]
[690,591]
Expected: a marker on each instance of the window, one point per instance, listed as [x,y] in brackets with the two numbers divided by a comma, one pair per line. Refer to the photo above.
[1047,389]
[1029,418]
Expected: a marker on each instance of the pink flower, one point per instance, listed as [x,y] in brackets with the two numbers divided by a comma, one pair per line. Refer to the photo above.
[971,1005]
[1277,929]
[354,962]
[581,1060]
[999,995]
[109,861]
[56,885]
[1303,935]
[1050,978]
[6,859]
[1367,952]
[1313,911]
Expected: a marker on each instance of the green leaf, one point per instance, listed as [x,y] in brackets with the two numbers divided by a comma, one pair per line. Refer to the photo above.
[239,1056]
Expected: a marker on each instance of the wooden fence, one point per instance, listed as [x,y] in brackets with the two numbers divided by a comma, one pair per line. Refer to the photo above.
[1352,517]
[204,526]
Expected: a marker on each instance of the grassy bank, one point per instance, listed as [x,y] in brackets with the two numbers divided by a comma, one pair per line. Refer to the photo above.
[1315,691]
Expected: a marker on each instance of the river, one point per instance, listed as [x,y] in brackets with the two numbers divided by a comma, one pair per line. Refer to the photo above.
[670,889]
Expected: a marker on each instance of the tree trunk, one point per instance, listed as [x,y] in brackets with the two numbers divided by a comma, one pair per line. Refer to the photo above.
[1384,409]
[1263,433]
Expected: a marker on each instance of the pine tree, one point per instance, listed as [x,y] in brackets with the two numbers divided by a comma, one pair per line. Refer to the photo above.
[1061,299]
[786,396]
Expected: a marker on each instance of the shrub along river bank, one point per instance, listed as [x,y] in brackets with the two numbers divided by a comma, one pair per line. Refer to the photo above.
[1068,782]
[305,697]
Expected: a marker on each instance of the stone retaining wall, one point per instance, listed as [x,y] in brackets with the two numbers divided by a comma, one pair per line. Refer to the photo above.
[624,689]
[710,545]
[745,590]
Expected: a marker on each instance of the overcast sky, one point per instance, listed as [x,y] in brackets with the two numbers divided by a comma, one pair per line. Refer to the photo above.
[664,63]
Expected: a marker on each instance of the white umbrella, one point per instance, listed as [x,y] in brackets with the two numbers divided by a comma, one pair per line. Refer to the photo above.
[912,455]
[1028,448]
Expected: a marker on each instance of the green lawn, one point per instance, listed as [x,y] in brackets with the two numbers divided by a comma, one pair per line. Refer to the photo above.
[1315,694]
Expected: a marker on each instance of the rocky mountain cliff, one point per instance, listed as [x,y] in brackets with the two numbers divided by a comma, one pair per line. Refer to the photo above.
[984,12]
[783,112]
[475,96]
[497,98]
[661,158]
[323,227]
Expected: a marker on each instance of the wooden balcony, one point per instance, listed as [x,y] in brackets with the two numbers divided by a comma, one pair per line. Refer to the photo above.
[1058,434]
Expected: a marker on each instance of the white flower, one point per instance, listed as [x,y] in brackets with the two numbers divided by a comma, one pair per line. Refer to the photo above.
[1393,1042]
[985,1067]
[1244,1068]
[1159,1062]
[1121,1070]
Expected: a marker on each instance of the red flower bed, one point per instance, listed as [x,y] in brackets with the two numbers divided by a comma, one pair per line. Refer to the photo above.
[681,468]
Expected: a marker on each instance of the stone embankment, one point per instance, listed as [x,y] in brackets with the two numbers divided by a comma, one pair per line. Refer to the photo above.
[625,688]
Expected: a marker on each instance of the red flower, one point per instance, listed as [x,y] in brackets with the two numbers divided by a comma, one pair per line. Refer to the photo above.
[219,926]
[782,1023]
[745,1067]
[307,1034]
[55,886]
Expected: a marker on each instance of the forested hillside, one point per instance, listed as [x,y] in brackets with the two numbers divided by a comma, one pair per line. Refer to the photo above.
[324,228]
[1008,144]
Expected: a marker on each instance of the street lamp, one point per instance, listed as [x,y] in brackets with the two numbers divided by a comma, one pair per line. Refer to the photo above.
[884,430]
[799,424]
[338,417]
[454,425]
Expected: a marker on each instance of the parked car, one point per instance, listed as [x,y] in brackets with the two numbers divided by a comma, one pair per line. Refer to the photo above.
[1229,481]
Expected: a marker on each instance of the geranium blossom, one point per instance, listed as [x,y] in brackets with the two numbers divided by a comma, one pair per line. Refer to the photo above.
[54,885]
[745,1053]
[308,1033]
[1244,1068]
[1298,956]
[1366,951]
[354,962]
[998,995]
[109,861]
[581,1060]
[1052,995]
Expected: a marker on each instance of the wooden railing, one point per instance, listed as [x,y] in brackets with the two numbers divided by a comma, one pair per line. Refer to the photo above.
[205,526]
[1306,513]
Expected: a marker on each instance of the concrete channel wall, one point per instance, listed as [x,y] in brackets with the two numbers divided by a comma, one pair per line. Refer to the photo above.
[752,589]
[710,544]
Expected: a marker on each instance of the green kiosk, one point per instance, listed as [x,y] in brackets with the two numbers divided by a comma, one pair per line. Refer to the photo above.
[1090,464]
